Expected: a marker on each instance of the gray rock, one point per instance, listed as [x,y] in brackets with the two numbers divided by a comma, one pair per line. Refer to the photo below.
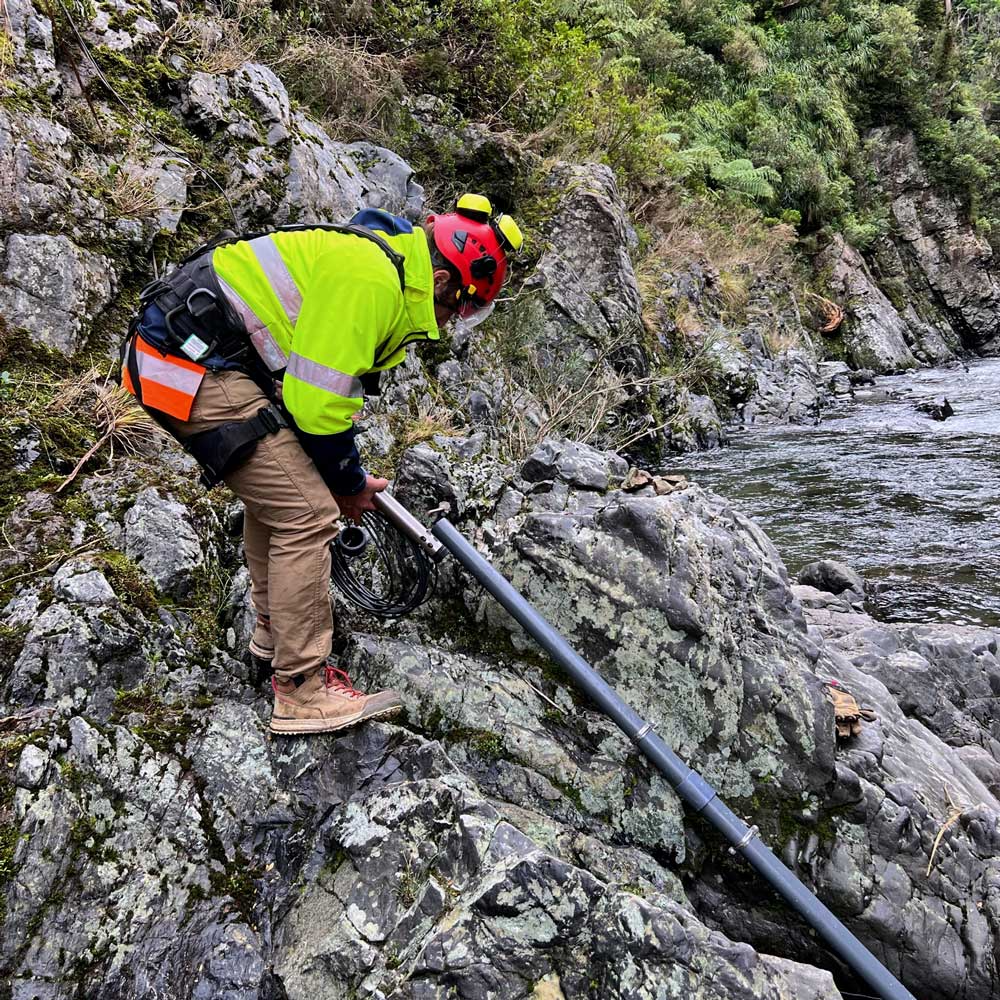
[787,390]
[159,538]
[949,272]
[30,34]
[875,335]
[329,181]
[575,464]
[27,449]
[168,180]
[388,181]
[324,184]
[132,30]
[78,581]
[207,104]
[32,768]
[832,576]
[53,289]
[586,280]
[40,182]
[267,93]
[694,423]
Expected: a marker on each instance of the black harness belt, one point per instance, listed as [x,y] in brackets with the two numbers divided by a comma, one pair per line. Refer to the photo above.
[220,450]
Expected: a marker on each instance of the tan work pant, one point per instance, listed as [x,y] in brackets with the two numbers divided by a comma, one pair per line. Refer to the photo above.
[291,518]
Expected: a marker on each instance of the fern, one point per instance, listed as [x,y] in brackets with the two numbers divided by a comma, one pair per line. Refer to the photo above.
[743,178]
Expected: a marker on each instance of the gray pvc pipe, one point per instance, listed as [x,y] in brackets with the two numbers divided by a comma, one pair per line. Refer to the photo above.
[688,784]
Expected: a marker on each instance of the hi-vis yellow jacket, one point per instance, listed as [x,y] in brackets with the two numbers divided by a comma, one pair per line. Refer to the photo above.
[327,307]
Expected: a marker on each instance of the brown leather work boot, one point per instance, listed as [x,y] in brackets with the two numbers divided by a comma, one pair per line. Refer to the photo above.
[326,701]
[262,642]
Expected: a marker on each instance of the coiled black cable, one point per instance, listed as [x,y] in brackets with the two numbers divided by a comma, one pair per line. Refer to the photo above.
[379,569]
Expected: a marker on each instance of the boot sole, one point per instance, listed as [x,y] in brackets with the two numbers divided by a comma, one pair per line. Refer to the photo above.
[298,727]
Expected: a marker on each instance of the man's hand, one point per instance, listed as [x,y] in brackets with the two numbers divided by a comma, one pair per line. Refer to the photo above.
[353,507]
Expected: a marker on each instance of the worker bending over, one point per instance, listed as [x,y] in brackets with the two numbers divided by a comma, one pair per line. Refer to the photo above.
[257,354]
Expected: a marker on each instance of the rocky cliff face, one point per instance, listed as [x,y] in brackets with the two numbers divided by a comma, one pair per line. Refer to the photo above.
[503,839]
[931,291]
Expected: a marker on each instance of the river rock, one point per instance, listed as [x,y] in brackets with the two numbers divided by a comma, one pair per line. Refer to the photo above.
[787,389]
[939,409]
[53,288]
[576,464]
[832,576]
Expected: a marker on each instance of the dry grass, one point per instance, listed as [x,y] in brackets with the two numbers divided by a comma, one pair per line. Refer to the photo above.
[133,192]
[219,45]
[779,340]
[955,813]
[128,184]
[694,230]
[587,396]
[120,422]
[734,290]
[432,418]
[355,93]
[6,42]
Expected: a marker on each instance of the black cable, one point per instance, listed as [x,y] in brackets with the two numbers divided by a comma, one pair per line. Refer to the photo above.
[379,569]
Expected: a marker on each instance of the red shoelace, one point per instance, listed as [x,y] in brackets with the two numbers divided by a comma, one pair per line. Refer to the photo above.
[340,682]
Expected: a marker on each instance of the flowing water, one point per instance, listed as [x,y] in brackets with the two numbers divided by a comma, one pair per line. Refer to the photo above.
[910,502]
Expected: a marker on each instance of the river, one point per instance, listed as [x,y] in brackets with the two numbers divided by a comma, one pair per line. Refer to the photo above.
[911,502]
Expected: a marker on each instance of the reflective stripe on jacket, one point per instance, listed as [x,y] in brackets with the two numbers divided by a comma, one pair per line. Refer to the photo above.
[166,383]
[327,307]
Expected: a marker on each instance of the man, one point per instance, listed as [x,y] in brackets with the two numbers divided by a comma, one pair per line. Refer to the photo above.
[256,353]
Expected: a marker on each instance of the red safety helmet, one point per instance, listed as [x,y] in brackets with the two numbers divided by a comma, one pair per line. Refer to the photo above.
[476,244]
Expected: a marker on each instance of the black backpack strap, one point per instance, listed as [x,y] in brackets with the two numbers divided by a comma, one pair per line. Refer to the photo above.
[396,259]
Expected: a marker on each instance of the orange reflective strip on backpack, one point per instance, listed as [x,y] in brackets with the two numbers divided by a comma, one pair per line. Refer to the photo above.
[166,383]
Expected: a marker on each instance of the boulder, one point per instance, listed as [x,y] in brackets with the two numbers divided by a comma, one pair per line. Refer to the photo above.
[875,335]
[260,85]
[832,576]
[78,581]
[787,389]
[160,540]
[53,289]
[121,26]
[938,409]
[329,181]
[587,283]
[576,464]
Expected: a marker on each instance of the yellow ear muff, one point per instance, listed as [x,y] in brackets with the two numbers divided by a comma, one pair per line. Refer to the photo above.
[474,206]
[509,232]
